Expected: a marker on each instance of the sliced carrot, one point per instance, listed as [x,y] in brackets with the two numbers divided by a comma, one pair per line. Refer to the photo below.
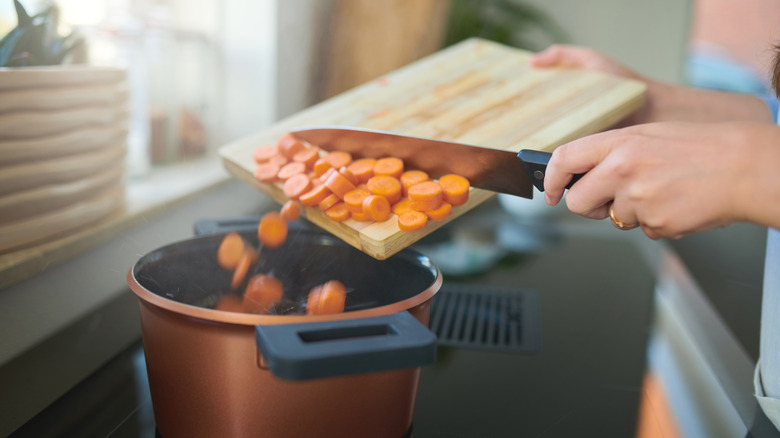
[392,166]
[291,210]
[349,175]
[354,199]
[248,258]
[290,169]
[362,168]
[440,213]
[315,195]
[377,207]
[272,230]
[426,196]
[279,160]
[455,189]
[360,216]
[266,172]
[410,178]
[412,220]
[229,303]
[308,156]
[289,145]
[402,206]
[327,299]
[328,202]
[338,184]
[265,153]
[339,159]
[261,293]
[230,251]
[338,212]
[296,185]
[321,166]
[387,186]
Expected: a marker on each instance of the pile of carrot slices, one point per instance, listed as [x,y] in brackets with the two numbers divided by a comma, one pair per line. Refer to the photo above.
[363,189]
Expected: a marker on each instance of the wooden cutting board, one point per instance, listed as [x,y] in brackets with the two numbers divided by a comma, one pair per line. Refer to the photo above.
[475,92]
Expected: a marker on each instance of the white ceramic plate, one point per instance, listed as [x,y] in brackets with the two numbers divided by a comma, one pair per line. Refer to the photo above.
[13,152]
[15,78]
[61,170]
[60,222]
[32,99]
[31,203]
[19,125]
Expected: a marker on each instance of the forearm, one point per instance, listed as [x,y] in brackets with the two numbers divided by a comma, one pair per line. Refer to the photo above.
[666,102]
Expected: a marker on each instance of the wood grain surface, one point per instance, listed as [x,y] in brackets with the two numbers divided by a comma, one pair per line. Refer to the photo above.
[475,92]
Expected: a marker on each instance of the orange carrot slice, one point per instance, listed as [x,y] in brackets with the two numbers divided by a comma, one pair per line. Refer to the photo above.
[289,145]
[376,207]
[338,212]
[392,166]
[296,185]
[338,184]
[328,202]
[262,292]
[387,186]
[354,199]
[412,220]
[440,213]
[290,169]
[360,216]
[362,168]
[291,210]
[272,230]
[315,195]
[426,196]
[266,172]
[265,153]
[327,299]
[455,189]
[248,258]
[321,166]
[410,178]
[349,175]
[230,251]
[402,206]
[338,159]
[308,156]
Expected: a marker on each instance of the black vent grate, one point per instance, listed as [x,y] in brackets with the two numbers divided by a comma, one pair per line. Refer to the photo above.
[486,318]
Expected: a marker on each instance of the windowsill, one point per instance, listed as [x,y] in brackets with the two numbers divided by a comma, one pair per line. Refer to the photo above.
[144,195]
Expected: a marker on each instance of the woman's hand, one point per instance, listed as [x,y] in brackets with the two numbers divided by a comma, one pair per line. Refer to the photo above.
[673,178]
[663,102]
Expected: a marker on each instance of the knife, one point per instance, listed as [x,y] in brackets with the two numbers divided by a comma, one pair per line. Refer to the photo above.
[515,173]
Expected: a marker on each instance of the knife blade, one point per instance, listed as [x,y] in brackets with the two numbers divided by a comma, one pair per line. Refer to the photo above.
[515,173]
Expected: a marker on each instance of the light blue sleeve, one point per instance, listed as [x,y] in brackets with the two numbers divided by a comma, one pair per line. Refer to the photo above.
[773,103]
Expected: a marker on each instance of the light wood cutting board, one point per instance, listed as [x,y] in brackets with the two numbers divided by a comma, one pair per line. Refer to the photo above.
[476,92]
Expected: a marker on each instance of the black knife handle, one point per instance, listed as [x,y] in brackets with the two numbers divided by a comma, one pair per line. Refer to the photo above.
[535,164]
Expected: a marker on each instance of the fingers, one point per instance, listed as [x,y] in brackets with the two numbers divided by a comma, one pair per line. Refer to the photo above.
[560,56]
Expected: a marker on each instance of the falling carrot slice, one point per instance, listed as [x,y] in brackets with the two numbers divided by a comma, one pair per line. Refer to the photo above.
[455,189]
[230,251]
[426,196]
[387,186]
[412,220]
[291,210]
[392,166]
[248,258]
[377,208]
[327,299]
[272,230]
[261,293]
[296,185]
[441,213]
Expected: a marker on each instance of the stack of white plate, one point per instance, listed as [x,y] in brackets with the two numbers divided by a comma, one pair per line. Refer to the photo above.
[63,135]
